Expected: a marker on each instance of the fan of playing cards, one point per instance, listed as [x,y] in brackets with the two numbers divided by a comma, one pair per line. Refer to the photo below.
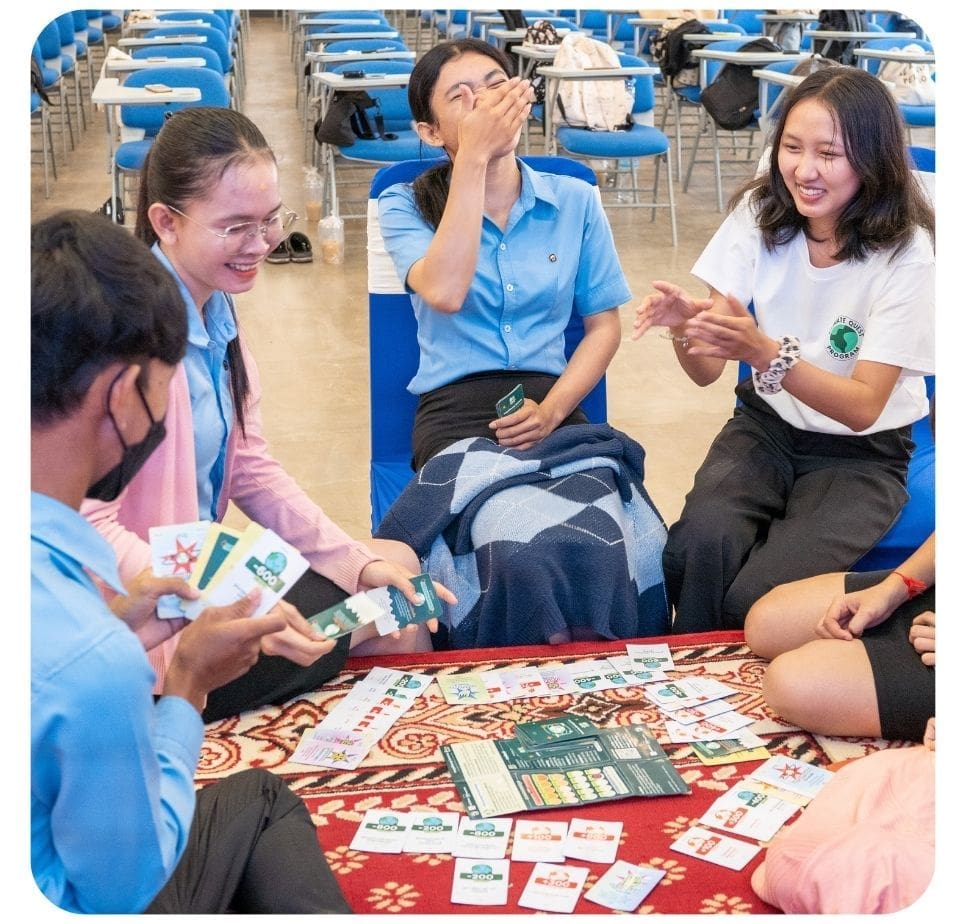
[225,564]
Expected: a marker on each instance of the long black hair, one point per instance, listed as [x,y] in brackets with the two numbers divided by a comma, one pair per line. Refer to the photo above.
[889,204]
[431,188]
[193,150]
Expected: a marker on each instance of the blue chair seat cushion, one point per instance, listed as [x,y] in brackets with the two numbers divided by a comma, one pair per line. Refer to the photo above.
[638,141]
[130,155]
[407,145]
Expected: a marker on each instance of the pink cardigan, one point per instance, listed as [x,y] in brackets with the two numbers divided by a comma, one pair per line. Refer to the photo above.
[165,492]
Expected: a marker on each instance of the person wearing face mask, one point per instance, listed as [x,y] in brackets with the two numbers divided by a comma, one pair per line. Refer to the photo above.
[116,825]
[209,207]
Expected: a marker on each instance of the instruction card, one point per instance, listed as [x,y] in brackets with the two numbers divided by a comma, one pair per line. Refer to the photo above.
[624,886]
[505,776]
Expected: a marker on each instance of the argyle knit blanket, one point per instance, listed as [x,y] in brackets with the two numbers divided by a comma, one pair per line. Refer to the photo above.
[532,543]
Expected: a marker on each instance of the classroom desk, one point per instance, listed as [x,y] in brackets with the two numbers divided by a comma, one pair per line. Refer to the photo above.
[787,17]
[145,42]
[706,38]
[111,93]
[331,82]
[775,78]
[486,20]
[752,58]
[889,54]
[126,65]
[826,37]
[145,25]
[530,55]
[554,75]
[503,36]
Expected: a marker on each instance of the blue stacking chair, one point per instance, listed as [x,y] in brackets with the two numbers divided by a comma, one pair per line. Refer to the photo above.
[914,116]
[626,148]
[394,352]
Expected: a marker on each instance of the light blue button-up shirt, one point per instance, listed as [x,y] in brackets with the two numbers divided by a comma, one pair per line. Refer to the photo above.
[212,408]
[556,254]
[112,773]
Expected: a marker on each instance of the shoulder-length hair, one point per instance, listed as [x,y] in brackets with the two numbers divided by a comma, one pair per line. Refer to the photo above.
[889,204]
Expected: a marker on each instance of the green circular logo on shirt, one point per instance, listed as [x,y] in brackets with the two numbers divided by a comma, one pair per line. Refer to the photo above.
[844,338]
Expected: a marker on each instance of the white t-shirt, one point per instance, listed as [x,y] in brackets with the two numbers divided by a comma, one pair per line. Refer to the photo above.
[874,310]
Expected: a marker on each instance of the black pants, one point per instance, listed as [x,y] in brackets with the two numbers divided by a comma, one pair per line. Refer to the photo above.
[465,408]
[772,504]
[252,849]
[272,680]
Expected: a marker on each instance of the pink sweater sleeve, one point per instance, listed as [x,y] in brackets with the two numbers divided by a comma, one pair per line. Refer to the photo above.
[267,494]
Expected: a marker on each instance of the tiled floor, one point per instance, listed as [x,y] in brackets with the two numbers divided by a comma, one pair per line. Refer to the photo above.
[307,323]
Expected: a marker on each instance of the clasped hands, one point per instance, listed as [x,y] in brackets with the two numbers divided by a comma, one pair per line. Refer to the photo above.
[733,336]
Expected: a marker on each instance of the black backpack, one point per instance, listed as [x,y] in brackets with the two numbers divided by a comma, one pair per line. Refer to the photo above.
[351,114]
[732,97]
[842,21]
[673,55]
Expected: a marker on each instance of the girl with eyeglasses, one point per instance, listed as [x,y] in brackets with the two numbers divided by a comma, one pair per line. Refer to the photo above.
[210,209]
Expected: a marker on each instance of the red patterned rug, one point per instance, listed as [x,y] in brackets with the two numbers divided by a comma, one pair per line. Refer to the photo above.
[406,772]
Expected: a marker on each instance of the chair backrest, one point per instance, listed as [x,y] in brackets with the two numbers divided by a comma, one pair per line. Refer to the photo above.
[214,38]
[736,44]
[209,19]
[150,117]
[643,84]
[747,19]
[65,27]
[211,57]
[393,101]
[49,40]
[394,352]
[352,27]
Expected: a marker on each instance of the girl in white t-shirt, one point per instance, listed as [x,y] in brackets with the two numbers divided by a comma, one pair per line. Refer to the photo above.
[822,280]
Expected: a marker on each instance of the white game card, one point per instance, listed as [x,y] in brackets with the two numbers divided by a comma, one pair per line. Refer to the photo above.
[593,841]
[635,672]
[721,726]
[794,775]
[682,694]
[552,887]
[480,882]
[699,713]
[431,832]
[624,886]
[539,841]
[715,848]
[486,839]
[174,553]
[652,657]
[381,831]
[751,814]
[331,747]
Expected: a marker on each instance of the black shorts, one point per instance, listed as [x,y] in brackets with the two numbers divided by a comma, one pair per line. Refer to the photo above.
[905,688]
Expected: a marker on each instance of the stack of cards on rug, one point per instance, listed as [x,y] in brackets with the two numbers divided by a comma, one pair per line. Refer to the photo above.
[175,551]
[743,747]
[480,882]
[553,888]
[748,813]
[357,722]
[388,607]
[624,886]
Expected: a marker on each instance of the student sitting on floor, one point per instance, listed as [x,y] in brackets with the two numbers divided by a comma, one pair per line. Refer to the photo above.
[116,825]
[496,256]
[832,246]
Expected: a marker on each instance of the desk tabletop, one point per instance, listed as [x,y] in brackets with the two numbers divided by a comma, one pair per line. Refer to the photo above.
[537,52]
[749,57]
[779,77]
[347,57]
[888,54]
[839,36]
[109,91]
[350,36]
[335,21]
[162,40]
[706,38]
[596,73]
[143,25]
[372,81]
[787,17]
[124,65]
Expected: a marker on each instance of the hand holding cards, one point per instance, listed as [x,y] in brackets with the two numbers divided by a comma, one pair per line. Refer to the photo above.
[510,402]
[388,607]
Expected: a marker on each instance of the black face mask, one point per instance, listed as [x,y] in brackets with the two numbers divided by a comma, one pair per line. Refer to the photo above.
[108,487]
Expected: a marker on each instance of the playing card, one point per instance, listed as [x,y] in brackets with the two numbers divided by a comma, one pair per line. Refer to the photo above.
[480,882]
[794,775]
[486,839]
[510,402]
[431,832]
[549,731]
[381,831]
[330,747]
[743,747]
[175,551]
[552,887]
[635,672]
[594,841]
[346,616]
[539,841]
[751,814]
[652,657]
[398,612]
[721,726]
[460,689]
[715,848]
[624,886]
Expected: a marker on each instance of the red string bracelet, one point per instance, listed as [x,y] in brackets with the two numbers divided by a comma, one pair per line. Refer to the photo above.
[913,587]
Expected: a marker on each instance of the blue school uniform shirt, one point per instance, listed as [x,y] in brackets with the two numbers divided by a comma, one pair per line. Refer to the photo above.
[556,254]
[112,772]
[212,408]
